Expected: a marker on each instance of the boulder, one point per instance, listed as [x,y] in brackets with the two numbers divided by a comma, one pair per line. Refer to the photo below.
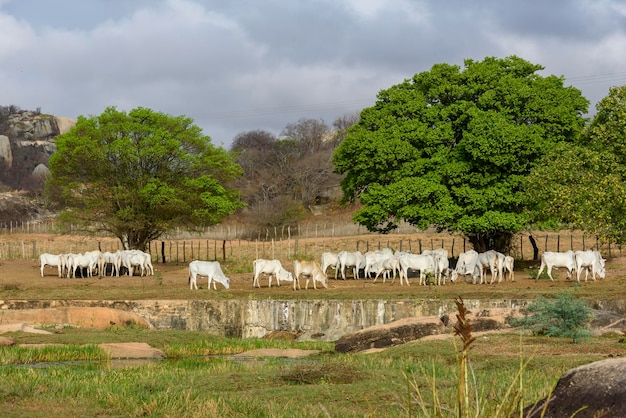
[409,329]
[594,390]
[6,341]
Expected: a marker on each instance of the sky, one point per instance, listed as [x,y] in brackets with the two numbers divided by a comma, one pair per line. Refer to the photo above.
[241,65]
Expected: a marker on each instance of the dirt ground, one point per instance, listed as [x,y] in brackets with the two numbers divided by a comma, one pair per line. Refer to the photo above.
[20,279]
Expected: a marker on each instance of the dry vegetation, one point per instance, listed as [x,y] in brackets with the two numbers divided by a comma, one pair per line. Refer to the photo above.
[20,278]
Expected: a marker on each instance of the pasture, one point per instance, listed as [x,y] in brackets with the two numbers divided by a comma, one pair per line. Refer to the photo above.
[20,278]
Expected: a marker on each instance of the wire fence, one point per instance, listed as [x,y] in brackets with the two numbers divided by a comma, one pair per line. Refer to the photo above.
[309,243]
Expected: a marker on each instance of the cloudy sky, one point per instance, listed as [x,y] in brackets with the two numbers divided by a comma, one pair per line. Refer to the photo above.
[241,65]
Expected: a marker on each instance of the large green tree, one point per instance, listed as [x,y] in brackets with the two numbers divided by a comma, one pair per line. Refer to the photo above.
[450,147]
[138,174]
[583,186]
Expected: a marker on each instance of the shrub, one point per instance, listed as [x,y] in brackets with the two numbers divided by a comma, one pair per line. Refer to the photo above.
[565,317]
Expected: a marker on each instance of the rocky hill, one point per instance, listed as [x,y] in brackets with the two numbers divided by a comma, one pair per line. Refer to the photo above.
[27,140]
[26,143]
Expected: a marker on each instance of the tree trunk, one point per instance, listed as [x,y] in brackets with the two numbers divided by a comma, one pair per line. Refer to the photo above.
[535,248]
[499,241]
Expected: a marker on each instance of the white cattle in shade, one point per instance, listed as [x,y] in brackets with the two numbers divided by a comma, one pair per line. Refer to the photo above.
[312,270]
[51,260]
[211,269]
[269,268]
[328,259]
[389,266]
[85,262]
[136,258]
[589,261]
[354,260]
[113,259]
[425,264]
[550,260]
[374,257]
[442,263]
[491,259]
[509,267]
[467,263]
[98,258]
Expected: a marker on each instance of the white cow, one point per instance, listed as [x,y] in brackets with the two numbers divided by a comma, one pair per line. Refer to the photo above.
[51,260]
[550,260]
[355,260]
[589,261]
[82,261]
[418,262]
[312,270]
[328,259]
[374,257]
[211,269]
[269,268]
[98,261]
[136,258]
[387,266]
[509,267]
[467,263]
[442,263]
[115,260]
[491,259]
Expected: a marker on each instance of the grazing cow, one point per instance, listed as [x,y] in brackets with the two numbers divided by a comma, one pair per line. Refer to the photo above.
[356,260]
[328,259]
[467,263]
[211,269]
[269,268]
[51,260]
[590,261]
[418,262]
[508,267]
[550,260]
[442,263]
[312,270]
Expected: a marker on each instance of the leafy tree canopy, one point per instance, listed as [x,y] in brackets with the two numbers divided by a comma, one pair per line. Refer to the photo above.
[450,148]
[138,174]
[583,186]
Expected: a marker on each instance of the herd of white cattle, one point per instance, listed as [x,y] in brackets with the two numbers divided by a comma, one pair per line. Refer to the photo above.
[96,262]
[388,264]
[383,263]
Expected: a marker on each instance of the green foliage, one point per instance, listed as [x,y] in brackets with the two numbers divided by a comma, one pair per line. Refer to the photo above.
[583,186]
[564,317]
[138,174]
[450,148]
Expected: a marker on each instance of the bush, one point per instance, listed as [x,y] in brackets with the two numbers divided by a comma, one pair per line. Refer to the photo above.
[564,317]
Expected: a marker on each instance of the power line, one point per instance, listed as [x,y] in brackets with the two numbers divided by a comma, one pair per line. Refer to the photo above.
[233,114]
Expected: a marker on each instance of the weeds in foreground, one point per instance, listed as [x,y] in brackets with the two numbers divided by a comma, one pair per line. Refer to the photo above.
[471,400]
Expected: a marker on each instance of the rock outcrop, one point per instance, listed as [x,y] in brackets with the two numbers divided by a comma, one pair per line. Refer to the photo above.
[594,390]
[409,329]
[26,144]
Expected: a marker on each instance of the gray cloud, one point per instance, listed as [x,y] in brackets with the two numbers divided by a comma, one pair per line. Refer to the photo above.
[243,65]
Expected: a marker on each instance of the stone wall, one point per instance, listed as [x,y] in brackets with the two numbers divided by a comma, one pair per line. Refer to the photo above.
[325,320]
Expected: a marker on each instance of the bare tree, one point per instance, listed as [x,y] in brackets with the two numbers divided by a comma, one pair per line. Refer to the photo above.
[308,133]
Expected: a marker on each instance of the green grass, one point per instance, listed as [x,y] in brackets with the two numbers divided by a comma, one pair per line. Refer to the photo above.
[419,378]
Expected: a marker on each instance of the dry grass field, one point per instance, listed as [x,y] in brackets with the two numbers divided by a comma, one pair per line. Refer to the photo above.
[20,277]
